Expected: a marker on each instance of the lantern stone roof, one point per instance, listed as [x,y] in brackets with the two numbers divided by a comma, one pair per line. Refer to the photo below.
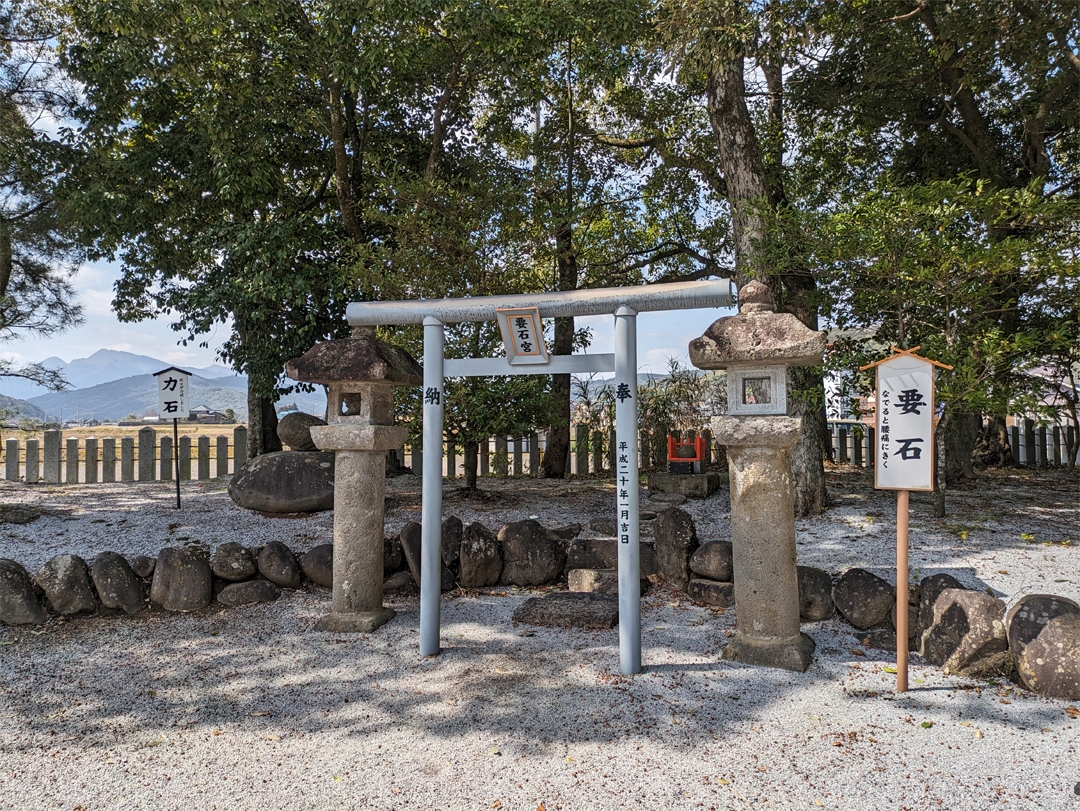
[757,335]
[359,358]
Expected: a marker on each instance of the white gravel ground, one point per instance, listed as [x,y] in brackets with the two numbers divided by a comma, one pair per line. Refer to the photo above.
[248,708]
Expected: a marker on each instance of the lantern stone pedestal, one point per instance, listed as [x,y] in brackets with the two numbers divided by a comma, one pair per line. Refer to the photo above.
[360,373]
[757,347]
[763,542]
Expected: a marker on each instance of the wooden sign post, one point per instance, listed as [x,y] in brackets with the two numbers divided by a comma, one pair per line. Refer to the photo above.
[173,401]
[904,460]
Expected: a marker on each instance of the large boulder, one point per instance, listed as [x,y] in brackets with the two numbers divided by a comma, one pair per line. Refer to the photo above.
[182,580]
[19,603]
[410,538]
[967,634]
[66,582]
[929,589]
[117,585]
[480,557]
[392,555]
[317,564]
[815,594]
[676,542]
[286,482]
[1026,620]
[1050,663]
[570,609]
[712,561]
[603,553]
[233,562]
[863,598]
[294,431]
[277,563]
[532,554]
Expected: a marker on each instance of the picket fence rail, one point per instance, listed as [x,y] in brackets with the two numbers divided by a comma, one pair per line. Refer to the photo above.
[149,456]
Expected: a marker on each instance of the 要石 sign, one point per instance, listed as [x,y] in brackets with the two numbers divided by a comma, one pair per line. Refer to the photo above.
[904,445]
[523,335]
[173,393]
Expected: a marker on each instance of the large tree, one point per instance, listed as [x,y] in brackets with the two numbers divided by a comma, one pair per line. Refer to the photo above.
[37,251]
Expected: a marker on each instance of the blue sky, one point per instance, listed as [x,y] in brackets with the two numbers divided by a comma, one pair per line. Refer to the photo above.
[660,335]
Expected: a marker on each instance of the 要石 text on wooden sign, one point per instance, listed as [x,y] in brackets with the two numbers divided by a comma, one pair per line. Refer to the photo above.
[904,447]
[523,335]
[174,390]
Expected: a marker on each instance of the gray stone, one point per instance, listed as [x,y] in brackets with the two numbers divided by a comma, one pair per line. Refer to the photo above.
[687,485]
[182,580]
[594,581]
[710,592]
[362,622]
[757,335]
[929,589]
[19,603]
[967,636]
[532,554]
[452,530]
[294,430]
[277,563]
[285,482]
[400,583]
[19,514]
[481,557]
[410,538]
[569,532]
[66,582]
[712,561]
[676,541]
[143,566]
[564,609]
[863,598]
[233,562]
[787,655]
[1050,663]
[317,564]
[392,555]
[1027,619]
[253,591]
[884,639]
[604,526]
[815,594]
[603,553]
[116,583]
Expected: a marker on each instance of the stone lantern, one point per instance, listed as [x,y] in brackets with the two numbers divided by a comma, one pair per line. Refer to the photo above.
[360,373]
[757,347]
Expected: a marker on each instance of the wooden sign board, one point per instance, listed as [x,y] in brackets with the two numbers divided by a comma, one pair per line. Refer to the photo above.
[523,335]
[904,445]
[173,393]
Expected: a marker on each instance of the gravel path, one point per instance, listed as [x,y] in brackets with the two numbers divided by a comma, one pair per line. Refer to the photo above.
[247,708]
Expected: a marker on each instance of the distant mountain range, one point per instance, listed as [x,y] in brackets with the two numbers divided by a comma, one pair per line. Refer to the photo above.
[109,385]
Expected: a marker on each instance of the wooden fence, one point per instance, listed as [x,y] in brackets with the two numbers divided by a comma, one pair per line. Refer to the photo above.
[149,456]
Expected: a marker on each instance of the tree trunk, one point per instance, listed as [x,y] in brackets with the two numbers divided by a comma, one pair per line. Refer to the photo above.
[749,196]
[262,426]
[472,455]
[994,448]
[558,446]
[960,438]
[939,465]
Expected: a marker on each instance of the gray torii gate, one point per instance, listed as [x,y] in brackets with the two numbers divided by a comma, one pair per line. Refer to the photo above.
[624,303]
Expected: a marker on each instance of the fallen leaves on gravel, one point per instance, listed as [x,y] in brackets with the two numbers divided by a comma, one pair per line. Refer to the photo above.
[1072,712]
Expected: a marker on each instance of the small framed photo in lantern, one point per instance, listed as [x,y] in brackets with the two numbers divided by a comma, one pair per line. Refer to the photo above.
[757,390]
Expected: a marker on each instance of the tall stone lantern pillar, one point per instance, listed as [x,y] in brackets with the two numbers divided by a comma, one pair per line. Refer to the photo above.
[360,373]
[757,347]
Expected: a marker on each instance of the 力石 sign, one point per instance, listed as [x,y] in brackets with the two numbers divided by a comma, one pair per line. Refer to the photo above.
[173,393]
[523,335]
[904,445]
